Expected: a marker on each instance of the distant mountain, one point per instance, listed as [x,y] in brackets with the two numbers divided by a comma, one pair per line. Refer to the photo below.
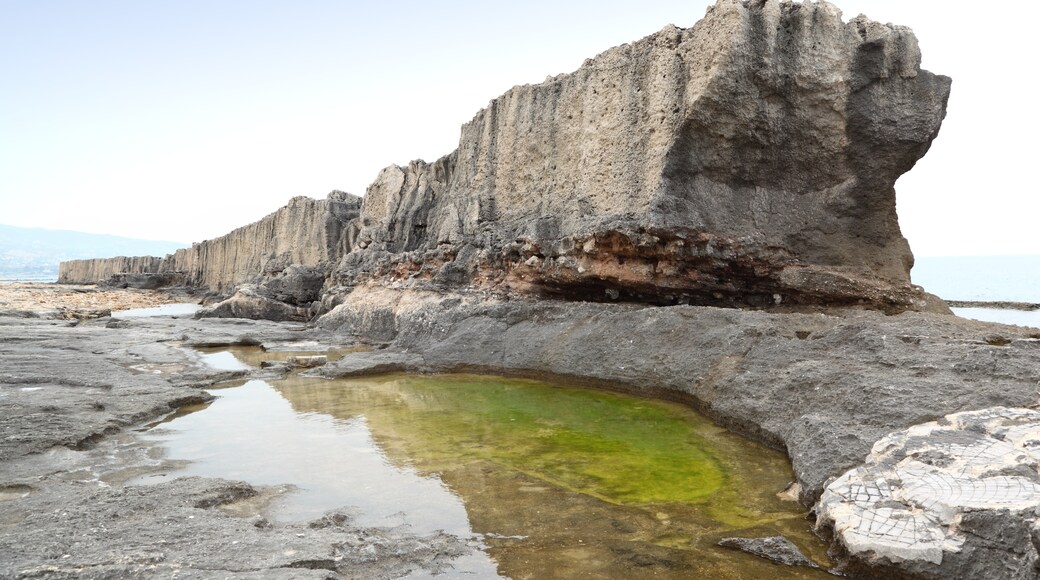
[33,254]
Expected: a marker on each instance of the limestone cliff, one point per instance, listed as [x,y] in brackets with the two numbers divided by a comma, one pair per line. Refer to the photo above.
[95,270]
[306,232]
[747,161]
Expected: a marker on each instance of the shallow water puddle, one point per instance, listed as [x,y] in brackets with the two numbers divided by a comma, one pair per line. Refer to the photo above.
[176,309]
[237,358]
[1001,315]
[560,482]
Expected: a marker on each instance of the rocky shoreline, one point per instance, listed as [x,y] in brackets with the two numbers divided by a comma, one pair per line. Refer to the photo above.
[822,387]
[1000,304]
[80,301]
[705,215]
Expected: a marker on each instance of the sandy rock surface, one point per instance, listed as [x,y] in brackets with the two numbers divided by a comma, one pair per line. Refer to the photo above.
[34,297]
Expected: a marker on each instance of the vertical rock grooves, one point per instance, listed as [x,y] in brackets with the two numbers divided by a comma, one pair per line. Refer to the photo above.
[747,161]
[305,232]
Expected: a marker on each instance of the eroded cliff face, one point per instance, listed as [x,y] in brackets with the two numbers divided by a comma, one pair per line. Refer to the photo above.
[97,269]
[306,232]
[747,161]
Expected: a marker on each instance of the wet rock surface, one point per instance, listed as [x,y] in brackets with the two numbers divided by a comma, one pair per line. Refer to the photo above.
[825,387]
[179,529]
[775,549]
[372,363]
[67,395]
[795,381]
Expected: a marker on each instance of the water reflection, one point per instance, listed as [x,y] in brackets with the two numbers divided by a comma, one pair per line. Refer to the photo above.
[236,358]
[561,482]
[571,482]
[178,309]
[1001,315]
[251,433]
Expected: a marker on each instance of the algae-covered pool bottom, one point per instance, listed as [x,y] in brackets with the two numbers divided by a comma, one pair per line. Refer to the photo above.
[558,482]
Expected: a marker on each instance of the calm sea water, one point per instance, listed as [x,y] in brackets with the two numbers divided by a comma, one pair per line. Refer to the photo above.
[986,279]
[980,278]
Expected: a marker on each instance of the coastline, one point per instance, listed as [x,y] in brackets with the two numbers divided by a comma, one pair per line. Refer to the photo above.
[757,373]
[46,297]
[999,304]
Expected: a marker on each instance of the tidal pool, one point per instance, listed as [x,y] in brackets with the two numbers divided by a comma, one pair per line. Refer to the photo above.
[176,309]
[1001,315]
[556,481]
[235,358]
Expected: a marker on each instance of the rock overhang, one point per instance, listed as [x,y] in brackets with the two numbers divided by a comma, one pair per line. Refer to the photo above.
[747,161]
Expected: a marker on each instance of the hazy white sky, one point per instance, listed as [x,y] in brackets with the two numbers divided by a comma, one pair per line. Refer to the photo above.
[181,120]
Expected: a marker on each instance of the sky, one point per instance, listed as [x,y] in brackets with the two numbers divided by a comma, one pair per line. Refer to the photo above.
[184,119]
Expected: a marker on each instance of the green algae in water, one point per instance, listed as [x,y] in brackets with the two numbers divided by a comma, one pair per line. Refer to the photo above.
[615,447]
[559,481]
[597,443]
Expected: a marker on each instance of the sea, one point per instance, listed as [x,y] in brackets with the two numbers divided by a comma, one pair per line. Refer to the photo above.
[984,279]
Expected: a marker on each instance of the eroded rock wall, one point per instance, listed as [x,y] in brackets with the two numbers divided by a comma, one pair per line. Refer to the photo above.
[748,160]
[306,232]
[98,269]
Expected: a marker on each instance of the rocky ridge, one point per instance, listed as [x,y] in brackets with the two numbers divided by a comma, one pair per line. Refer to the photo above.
[747,161]
[304,233]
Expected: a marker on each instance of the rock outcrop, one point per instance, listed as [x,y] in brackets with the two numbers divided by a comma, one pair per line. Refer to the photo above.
[255,303]
[747,161]
[944,499]
[97,270]
[305,234]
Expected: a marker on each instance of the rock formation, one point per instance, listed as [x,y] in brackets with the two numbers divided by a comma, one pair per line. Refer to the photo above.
[747,161]
[940,498]
[304,233]
[100,269]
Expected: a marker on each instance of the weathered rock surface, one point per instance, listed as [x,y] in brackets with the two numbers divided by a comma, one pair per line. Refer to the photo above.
[823,387]
[159,529]
[255,303]
[99,269]
[747,161]
[151,280]
[775,549]
[944,499]
[306,233]
[361,364]
[66,394]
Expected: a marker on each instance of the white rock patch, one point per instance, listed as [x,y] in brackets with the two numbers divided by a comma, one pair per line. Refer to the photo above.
[906,502]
